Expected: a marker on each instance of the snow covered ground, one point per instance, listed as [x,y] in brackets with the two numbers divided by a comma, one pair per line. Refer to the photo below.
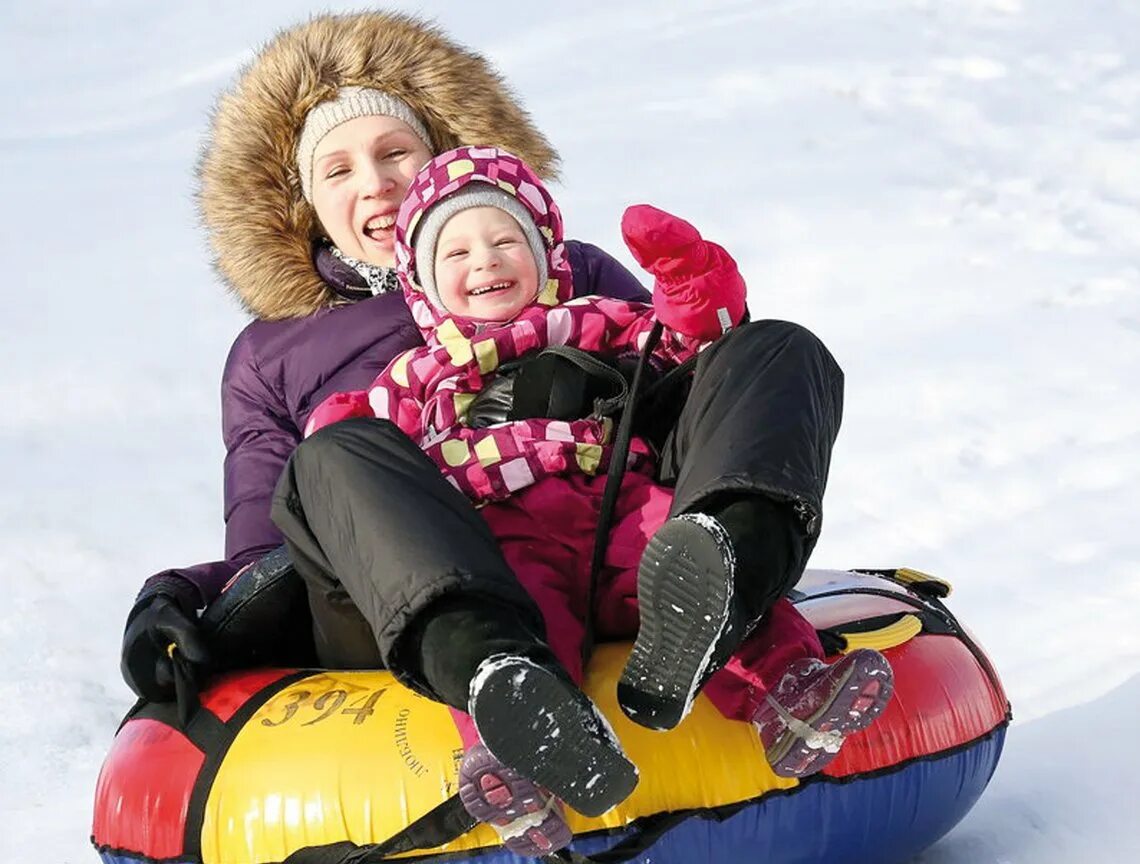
[947,192]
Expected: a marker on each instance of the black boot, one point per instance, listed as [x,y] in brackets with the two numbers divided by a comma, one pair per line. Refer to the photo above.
[705,580]
[533,718]
[458,633]
[770,541]
[480,657]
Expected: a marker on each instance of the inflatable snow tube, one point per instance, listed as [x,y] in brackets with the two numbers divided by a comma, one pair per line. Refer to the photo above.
[324,767]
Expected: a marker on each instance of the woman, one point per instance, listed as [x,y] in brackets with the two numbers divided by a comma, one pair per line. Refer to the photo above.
[308,160]
[310,156]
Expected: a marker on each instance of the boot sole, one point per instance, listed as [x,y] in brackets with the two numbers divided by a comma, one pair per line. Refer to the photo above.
[859,697]
[527,818]
[539,724]
[684,595]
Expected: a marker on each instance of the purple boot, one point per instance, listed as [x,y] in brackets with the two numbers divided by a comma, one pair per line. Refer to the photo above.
[527,818]
[816,705]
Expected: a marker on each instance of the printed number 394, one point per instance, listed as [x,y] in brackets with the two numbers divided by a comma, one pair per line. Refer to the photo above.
[326,704]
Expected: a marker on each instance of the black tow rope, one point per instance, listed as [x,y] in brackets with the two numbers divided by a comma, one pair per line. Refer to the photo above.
[185,687]
[614,475]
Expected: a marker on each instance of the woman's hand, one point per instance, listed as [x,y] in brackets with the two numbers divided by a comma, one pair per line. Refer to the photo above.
[698,290]
[157,621]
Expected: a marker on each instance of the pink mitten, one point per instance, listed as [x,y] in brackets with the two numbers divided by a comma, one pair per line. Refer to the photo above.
[337,407]
[698,290]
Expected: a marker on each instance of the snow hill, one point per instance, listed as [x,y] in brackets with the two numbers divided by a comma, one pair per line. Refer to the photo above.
[947,192]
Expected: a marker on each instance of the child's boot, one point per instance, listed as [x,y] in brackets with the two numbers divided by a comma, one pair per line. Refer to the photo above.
[527,818]
[807,715]
[533,718]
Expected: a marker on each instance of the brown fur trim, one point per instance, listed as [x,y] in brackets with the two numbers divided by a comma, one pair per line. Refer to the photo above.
[260,229]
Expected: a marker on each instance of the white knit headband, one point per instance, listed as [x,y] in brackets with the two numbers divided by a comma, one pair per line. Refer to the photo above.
[348,104]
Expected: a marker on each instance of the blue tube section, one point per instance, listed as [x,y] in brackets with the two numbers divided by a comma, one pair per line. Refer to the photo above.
[887,818]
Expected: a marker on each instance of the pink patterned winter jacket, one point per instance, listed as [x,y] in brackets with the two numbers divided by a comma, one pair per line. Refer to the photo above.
[426,391]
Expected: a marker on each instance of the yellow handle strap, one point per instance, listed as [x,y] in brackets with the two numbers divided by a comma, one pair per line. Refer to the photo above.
[903,630]
[914,577]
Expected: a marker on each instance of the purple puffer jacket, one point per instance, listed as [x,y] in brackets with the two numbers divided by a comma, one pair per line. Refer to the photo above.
[278,371]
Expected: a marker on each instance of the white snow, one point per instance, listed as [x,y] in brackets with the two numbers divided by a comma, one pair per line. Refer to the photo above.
[946,191]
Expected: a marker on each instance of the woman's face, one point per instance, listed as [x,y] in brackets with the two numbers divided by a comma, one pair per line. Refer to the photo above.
[361,170]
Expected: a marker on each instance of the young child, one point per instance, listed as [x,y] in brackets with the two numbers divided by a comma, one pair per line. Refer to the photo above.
[479,249]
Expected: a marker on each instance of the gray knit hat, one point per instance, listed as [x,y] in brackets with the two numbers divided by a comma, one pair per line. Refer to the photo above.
[475,194]
[349,103]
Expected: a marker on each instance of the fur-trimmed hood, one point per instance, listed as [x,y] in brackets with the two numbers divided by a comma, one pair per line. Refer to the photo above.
[260,228]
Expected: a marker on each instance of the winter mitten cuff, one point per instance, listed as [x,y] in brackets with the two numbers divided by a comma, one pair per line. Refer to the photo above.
[178,589]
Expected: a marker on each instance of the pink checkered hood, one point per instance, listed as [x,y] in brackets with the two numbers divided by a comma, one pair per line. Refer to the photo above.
[448,173]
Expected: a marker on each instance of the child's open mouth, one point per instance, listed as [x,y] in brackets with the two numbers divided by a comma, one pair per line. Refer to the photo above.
[489,289]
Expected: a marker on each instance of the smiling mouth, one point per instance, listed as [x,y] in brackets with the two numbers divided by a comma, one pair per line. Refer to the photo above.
[488,289]
[379,226]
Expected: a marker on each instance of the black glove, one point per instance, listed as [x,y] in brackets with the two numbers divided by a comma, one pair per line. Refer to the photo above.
[553,385]
[163,615]
[558,382]
[493,403]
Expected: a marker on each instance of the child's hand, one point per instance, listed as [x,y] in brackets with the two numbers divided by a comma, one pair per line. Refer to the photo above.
[667,246]
[337,407]
[698,291]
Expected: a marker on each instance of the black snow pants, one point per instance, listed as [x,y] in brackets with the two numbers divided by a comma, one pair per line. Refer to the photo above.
[380,537]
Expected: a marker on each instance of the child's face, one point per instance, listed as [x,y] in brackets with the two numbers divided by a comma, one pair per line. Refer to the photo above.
[484,268]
